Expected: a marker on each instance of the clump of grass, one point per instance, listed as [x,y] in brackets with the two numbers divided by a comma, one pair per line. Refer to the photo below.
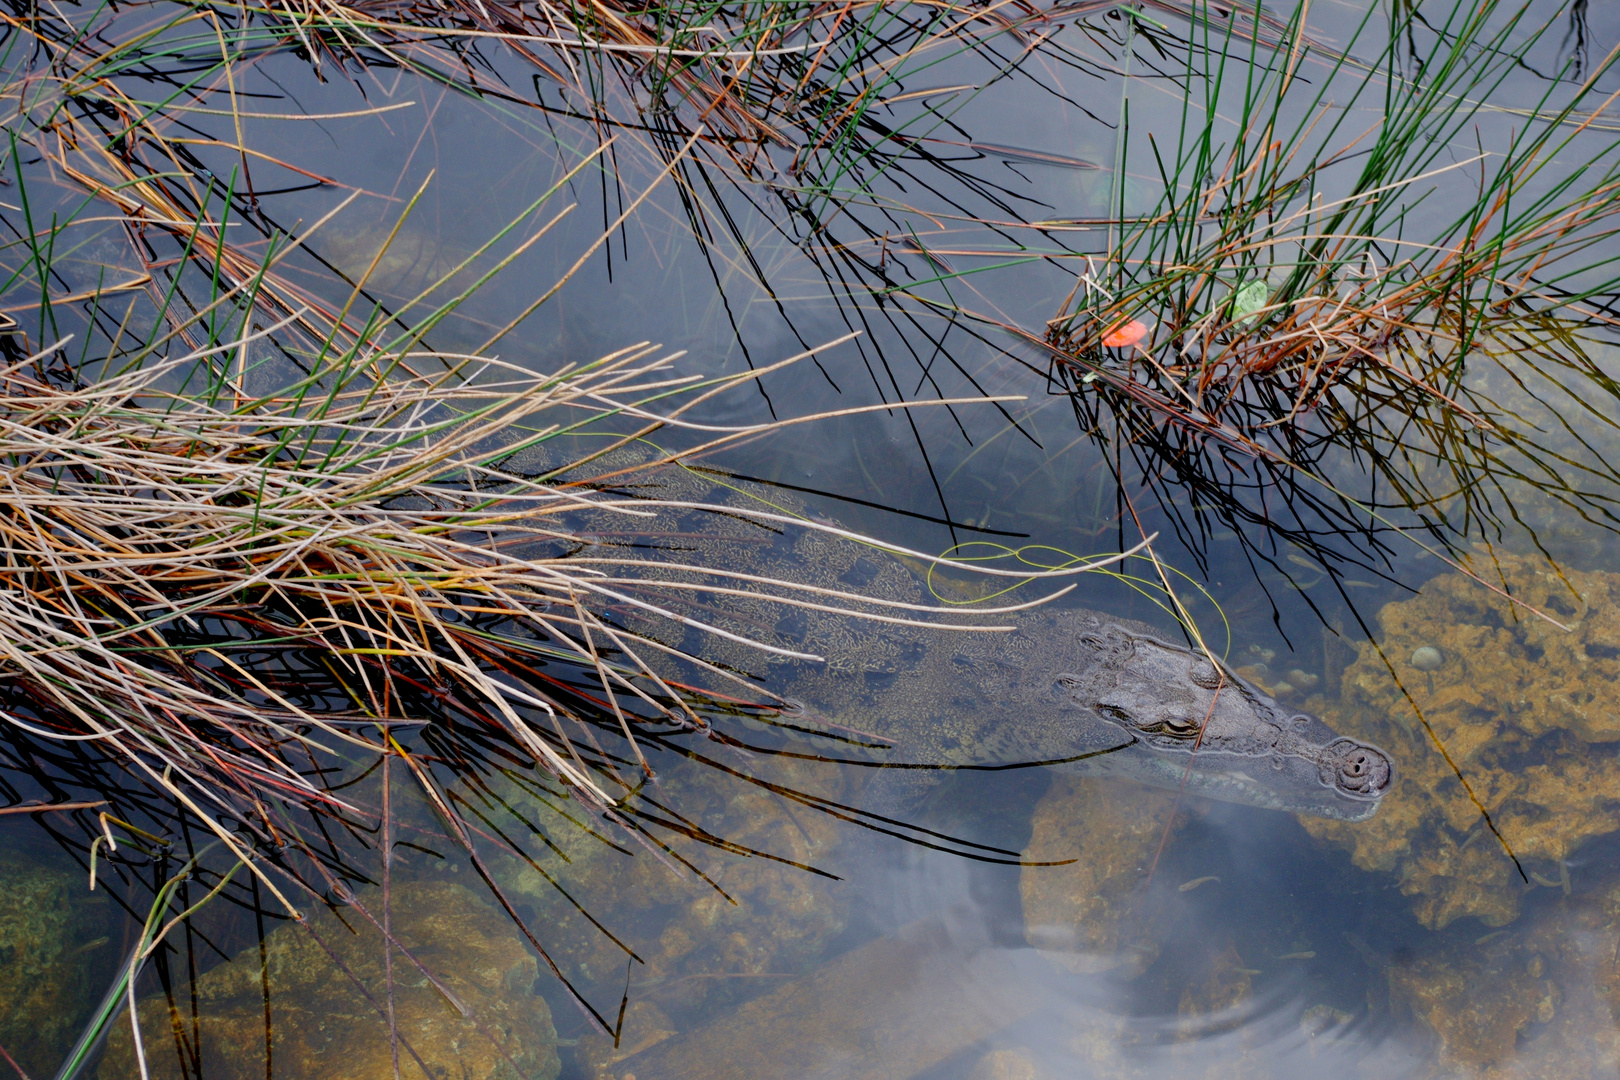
[1291,246]
[782,90]
[183,567]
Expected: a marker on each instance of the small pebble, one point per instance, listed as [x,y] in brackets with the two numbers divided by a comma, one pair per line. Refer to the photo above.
[1303,680]
[1427,658]
[1318,1020]
[1282,690]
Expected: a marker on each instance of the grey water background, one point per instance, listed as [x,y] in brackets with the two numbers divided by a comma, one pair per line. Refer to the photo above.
[760,288]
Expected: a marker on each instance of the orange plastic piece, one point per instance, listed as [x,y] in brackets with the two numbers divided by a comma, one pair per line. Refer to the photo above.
[1121,336]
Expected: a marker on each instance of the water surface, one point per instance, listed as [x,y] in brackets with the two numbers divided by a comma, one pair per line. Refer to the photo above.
[748,933]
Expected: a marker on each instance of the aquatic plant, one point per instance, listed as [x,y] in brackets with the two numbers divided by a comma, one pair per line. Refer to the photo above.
[1294,248]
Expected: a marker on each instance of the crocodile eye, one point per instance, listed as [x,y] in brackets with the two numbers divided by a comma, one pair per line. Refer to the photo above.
[1181,727]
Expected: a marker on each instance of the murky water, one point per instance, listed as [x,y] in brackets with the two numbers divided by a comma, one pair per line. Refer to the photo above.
[1020,924]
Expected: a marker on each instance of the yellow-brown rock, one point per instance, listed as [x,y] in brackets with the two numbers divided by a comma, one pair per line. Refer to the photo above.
[1529,714]
[1082,914]
[52,944]
[323,1027]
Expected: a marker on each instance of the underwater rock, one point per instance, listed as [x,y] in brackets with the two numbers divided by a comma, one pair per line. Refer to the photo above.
[51,949]
[889,1010]
[405,262]
[1530,714]
[1475,1007]
[1427,658]
[325,1027]
[1537,1002]
[1319,1021]
[1214,1002]
[1006,1064]
[1303,681]
[747,923]
[1082,915]
[644,1025]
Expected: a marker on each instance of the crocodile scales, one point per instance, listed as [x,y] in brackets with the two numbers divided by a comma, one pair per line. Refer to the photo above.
[1073,687]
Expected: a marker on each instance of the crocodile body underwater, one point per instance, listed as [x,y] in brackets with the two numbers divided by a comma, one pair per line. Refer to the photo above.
[1087,691]
[1070,688]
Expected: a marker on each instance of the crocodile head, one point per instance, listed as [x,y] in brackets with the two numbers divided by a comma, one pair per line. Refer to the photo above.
[1184,721]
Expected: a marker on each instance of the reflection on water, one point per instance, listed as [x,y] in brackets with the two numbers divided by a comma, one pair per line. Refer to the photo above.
[892,1008]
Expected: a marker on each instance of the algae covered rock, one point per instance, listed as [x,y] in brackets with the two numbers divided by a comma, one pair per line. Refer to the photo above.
[319,1015]
[1475,1005]
[52,948]
[1528,713]
[1082,914]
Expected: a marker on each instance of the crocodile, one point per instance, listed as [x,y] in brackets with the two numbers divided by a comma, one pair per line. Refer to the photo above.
[1088,691]
[1071,688]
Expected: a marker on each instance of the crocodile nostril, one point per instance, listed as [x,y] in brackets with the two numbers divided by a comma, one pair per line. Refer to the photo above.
[1356,770]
